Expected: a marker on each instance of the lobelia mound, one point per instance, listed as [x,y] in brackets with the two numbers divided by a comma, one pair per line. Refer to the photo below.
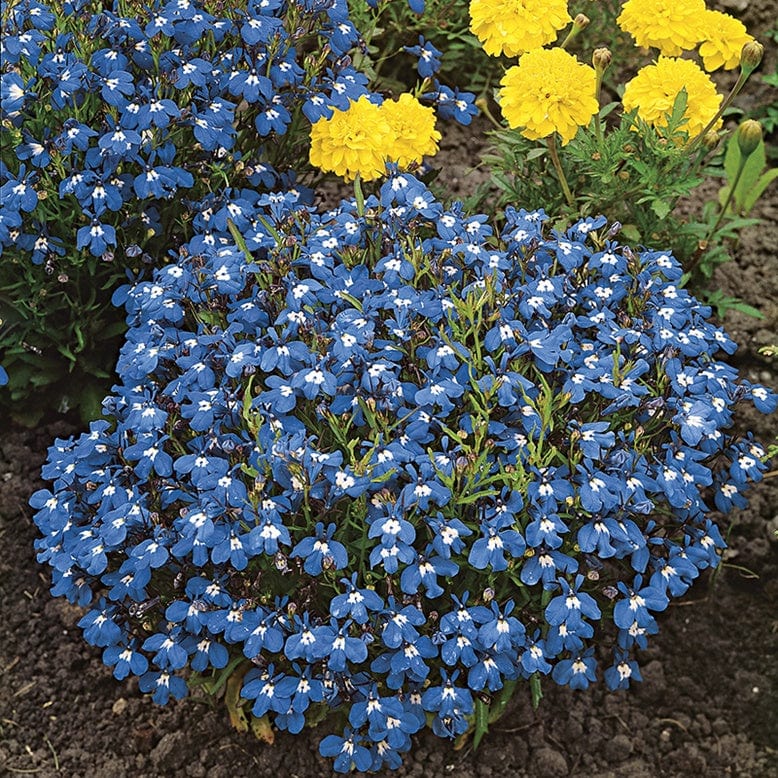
[378,464]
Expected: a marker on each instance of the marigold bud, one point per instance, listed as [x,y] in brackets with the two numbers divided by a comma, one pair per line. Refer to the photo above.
[750,56]
[710,140]
[749,136]
[581,21]
[601,58]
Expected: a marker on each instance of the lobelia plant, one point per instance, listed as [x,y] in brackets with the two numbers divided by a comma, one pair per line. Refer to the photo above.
[128,127]
[379,465]
[638,157]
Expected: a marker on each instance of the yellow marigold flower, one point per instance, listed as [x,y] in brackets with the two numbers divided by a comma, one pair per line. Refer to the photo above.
[672,26]
[654,89]
[512,27]
[412,129]
[723,40]
[351,141]
[548,91]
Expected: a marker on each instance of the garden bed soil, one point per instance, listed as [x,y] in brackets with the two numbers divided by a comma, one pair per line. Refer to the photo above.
[708,705]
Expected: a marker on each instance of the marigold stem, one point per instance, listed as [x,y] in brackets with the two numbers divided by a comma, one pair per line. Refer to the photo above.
[733,93]
[552,150]
[730,195]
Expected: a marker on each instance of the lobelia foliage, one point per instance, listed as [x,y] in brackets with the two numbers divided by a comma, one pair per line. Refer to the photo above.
[126,127]
[381,463]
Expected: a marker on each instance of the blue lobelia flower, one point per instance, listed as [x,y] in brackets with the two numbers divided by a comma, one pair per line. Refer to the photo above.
[321,551]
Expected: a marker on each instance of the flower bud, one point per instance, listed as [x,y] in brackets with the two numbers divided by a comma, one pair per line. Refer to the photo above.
[710,140]
[581,21]
[749,136]
[601,58]
[750,57]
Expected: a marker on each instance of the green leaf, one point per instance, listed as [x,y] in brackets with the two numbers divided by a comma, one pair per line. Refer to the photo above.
[756,191]
[731,158]
[232,701]
[660,208]
[90,402]
[498,707]
[481,722]
[535,689]
[631,233]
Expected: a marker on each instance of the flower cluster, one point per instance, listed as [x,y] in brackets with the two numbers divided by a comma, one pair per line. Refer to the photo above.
[674,26]
[548,91]
[379,459]
[139,110]
[363,137]
[512,27]
[654,90]
[122,122]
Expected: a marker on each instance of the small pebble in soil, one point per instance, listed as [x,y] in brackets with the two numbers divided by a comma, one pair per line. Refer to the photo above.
[548,763]
[618,748]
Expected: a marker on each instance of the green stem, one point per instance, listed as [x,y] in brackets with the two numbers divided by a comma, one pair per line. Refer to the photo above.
[552,150]
[733,93]
[359,196]
[730,195]
[597,123]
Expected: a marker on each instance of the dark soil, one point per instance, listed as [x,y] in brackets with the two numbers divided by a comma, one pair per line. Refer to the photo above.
[708,705]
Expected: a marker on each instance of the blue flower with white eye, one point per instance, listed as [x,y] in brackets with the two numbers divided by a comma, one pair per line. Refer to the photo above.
[490,670]
[99,626]
[17,192]
[534,655]
[498,538]
[638,600]
[428,57]
[275,118]
[321,551]
[449,534]
[265,634]
[264,687]
[347,751]
[448,700]
[355,603]
[622,671]
[162,685]
[117,87]
[193,72]
[345,648]
[424,572]
[502,632]
[401,625]
[572,605]
[303,690]
[576,672]
[170,653]
[451,103]
[125,660]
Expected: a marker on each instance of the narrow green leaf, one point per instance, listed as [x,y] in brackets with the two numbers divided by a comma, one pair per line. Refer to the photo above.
[501,703]
[481,722]
[756,191]
[535,690]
